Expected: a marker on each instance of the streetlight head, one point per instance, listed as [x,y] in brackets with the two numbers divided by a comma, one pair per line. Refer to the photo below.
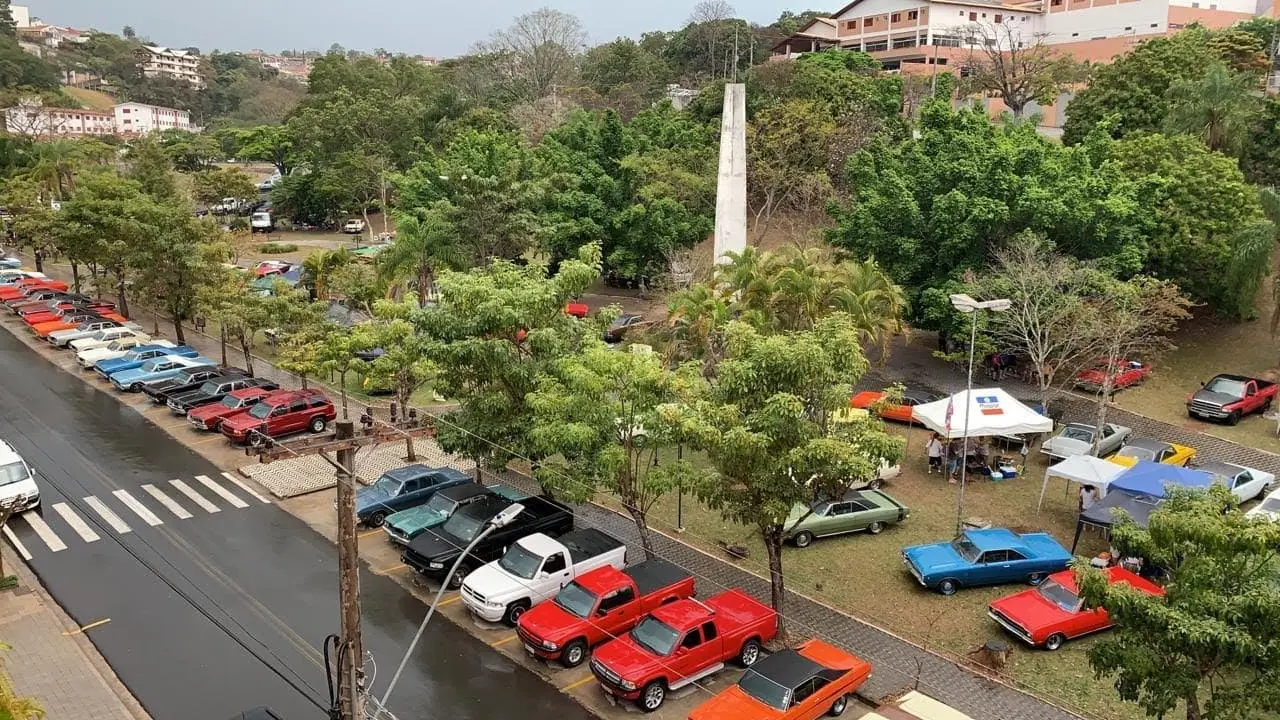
[508,514]
[998,305]
[964,303]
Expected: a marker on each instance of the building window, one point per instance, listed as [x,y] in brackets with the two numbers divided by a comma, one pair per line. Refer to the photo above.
[1056,3]
[913,14]
[973,17]
[998,18]
[1128,28]
[1075,34]
[867,22]
[1195,4]
[904,43]
[1155,25]
[895,17]
[1213,7]
[850,25]
[876,46]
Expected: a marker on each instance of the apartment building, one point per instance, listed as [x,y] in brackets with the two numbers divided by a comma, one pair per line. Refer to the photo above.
[158,61]
[32,119]
[140,119]
[21,15]
[920,37]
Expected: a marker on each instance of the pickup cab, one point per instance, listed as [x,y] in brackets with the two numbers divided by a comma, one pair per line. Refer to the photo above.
[680,643]
[139,355]
[1231,397]
[281,413]
[534,568]
[433,552]
[600,605]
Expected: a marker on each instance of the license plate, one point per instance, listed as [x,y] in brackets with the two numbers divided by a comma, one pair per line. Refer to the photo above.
[529,649]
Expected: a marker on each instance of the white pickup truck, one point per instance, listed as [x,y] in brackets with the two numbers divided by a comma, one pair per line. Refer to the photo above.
[534,569]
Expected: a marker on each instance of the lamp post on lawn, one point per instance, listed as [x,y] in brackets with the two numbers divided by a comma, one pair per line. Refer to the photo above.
[502,519]
[969,306]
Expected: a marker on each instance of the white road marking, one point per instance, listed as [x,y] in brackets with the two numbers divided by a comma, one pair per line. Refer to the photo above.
[167,501]
[17,544]
[245,487]
[138,508]
[107,514]
[45,532]
[222,492]
[196,497]
[80,526]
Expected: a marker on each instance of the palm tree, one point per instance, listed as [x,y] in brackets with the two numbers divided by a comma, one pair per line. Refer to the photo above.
[1218,108]
[875,302]
[694,317]
[425,244]
[317,268]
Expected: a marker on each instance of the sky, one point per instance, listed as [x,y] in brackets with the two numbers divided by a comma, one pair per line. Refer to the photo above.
[420,27]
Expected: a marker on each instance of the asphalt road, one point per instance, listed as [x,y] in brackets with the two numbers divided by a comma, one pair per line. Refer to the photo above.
[221,610]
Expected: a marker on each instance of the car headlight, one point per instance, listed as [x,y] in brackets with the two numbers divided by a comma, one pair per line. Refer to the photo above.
[626,685]
[548,645]
[436,566]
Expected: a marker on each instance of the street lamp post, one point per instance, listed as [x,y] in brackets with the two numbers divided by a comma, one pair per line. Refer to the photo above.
[969,306]
[502,519]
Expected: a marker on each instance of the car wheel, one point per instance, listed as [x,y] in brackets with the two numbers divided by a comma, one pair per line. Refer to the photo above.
[514,611]
[652,696]
[256,439]
[1035,579]
[573,654]
[875,484]
[1233,418]
[948,586]
[318,424]
[749,653]
[136,387]
[375,520]
[837,707]
[875,528]
[803,539]
[1055,641]
[455,581]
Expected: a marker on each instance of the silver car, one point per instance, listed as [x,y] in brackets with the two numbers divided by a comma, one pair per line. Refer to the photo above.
[1078,439]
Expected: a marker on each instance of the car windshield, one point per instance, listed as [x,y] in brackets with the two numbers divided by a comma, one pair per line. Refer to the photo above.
[1058,595]
[441,504]
[99,335]
[965,549]
[765,690]
[463,527]
[13,472]
[118,345]
[1226,386]
[576,600]
[520,562]
[1140,453]
[1078,433]
[260,411]
[387,485]
[209,388]
[152,364]
[231,402]
[655,636]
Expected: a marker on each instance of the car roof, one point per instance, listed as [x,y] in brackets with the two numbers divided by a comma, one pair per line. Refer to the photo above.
[283,395]
[788,668]
[8,455]
[683,613]
[250,392]
[993,539]
[408,471]
[463,491]
[1217,467]
[1149,444]
[1228,376]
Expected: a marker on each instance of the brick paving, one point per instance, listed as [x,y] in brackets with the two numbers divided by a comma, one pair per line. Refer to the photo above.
[291,478]
[63,672]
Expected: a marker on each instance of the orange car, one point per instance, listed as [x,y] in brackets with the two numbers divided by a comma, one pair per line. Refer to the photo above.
[902,413]
[72,322]
[813,680]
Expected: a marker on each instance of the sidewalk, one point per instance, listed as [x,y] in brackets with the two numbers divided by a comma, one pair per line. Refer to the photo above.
[52,661]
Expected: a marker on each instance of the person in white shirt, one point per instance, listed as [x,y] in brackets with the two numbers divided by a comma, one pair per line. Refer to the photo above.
[934,448]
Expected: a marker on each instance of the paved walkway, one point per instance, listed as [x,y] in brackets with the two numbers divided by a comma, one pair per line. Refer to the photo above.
[52,661]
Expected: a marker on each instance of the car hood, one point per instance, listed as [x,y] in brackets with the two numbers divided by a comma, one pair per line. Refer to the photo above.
[214,410]
[490,581]
[99,353]
[368,497]
[193,397]
[794,517]
[934,558]
[72,333]
[1123,460]
[120,363]
[242,422]
[415,520]
[1030,610]
[733,704]
[1066,447]
[130,375]
[431,546]
[549,621]
[1213,398]
[624,657]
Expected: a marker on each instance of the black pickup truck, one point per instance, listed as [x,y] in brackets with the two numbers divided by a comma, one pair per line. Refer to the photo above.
[434,551]
[189,379]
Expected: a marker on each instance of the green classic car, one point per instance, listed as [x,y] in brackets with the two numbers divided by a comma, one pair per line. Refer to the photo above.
[869,510]
[404,526]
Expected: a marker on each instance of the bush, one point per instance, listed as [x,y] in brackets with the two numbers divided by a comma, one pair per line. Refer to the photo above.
[277,248]
[8,581]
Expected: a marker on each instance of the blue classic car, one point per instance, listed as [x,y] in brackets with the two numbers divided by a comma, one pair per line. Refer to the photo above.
[139,355]
[986,557]
[401,489]
[156,369]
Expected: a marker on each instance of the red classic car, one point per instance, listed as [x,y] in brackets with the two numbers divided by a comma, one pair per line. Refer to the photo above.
[1127,374]
[902,413]
[813,680]
[18,289]
[1049,615]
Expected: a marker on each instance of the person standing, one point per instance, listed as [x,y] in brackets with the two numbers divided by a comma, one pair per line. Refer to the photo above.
[934,448]
[1088,496]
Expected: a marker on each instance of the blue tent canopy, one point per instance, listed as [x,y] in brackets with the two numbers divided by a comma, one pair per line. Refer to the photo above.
[1150,478]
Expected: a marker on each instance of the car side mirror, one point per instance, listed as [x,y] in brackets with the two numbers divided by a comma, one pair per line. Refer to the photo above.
[1201,383]
[543,575]
[602,612]
[682,650]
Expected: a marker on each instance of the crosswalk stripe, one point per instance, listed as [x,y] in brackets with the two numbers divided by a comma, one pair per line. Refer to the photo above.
[80,526]
[17,544]
[107,514]
[167,501]
[245,487]
[45,532]
[196,497]
[138,508]
[222,492]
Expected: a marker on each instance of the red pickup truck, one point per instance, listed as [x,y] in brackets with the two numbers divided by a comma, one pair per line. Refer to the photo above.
[1230,397]
[281,413]
[600,605]
[681,643]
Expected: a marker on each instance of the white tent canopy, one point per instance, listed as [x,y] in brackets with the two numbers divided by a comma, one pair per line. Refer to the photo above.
[992,411]
[1085,470]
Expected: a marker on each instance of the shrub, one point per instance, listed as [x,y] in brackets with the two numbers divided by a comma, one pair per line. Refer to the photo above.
[277,248]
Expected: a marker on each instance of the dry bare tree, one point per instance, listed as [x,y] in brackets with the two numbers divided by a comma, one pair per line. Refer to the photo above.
[538,53]
[708,18]
[1017,65]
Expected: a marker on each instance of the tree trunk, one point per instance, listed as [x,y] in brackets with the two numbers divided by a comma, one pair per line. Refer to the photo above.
[1193,706]
[177,329]
[223,343]
[248,352]
[772,537]
[403,399]
[75,276]
[1104,398]
[93,279]
[424,282]
[39,260]
[121,301]
[642,527]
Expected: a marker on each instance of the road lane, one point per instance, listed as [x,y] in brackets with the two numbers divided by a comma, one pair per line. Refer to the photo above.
[216,612]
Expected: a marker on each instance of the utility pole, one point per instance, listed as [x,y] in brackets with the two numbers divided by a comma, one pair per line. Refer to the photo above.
[339,450]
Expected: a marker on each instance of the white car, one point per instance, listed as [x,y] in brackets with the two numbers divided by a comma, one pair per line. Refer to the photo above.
[1245,483]
[62,338]
[116,349]
[105,337]
[261,222]
[1077,439]
[9,276]
[17,482]
[1269,508]
[353,227]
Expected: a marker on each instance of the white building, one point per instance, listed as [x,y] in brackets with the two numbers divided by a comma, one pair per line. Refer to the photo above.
[34,120]
[140,119]
[167,62]
[21,15]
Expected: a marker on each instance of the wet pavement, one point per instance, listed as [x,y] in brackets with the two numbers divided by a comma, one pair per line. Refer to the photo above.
[223,609]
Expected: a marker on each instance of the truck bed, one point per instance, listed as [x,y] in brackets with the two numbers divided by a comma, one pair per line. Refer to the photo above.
[653,575]
[588,543]
[739,607]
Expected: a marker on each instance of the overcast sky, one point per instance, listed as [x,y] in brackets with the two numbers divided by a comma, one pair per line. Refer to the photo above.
[442,28]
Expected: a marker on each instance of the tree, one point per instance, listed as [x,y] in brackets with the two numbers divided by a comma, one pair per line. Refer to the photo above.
[243,313]
[597,418]
[190,152]
[8,27]
[129,33]
[405,363]
[766,427]
[1209,643]
[33,224]
[150,166]
[210,186]
[269,143]
[539,52]
[625,75]
[788,154]
[1220,108]
[319,267]
[1021,69]
[425,244]
[174,255]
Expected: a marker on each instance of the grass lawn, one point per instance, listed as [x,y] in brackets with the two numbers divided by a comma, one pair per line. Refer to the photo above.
[864,575]
[91,99]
